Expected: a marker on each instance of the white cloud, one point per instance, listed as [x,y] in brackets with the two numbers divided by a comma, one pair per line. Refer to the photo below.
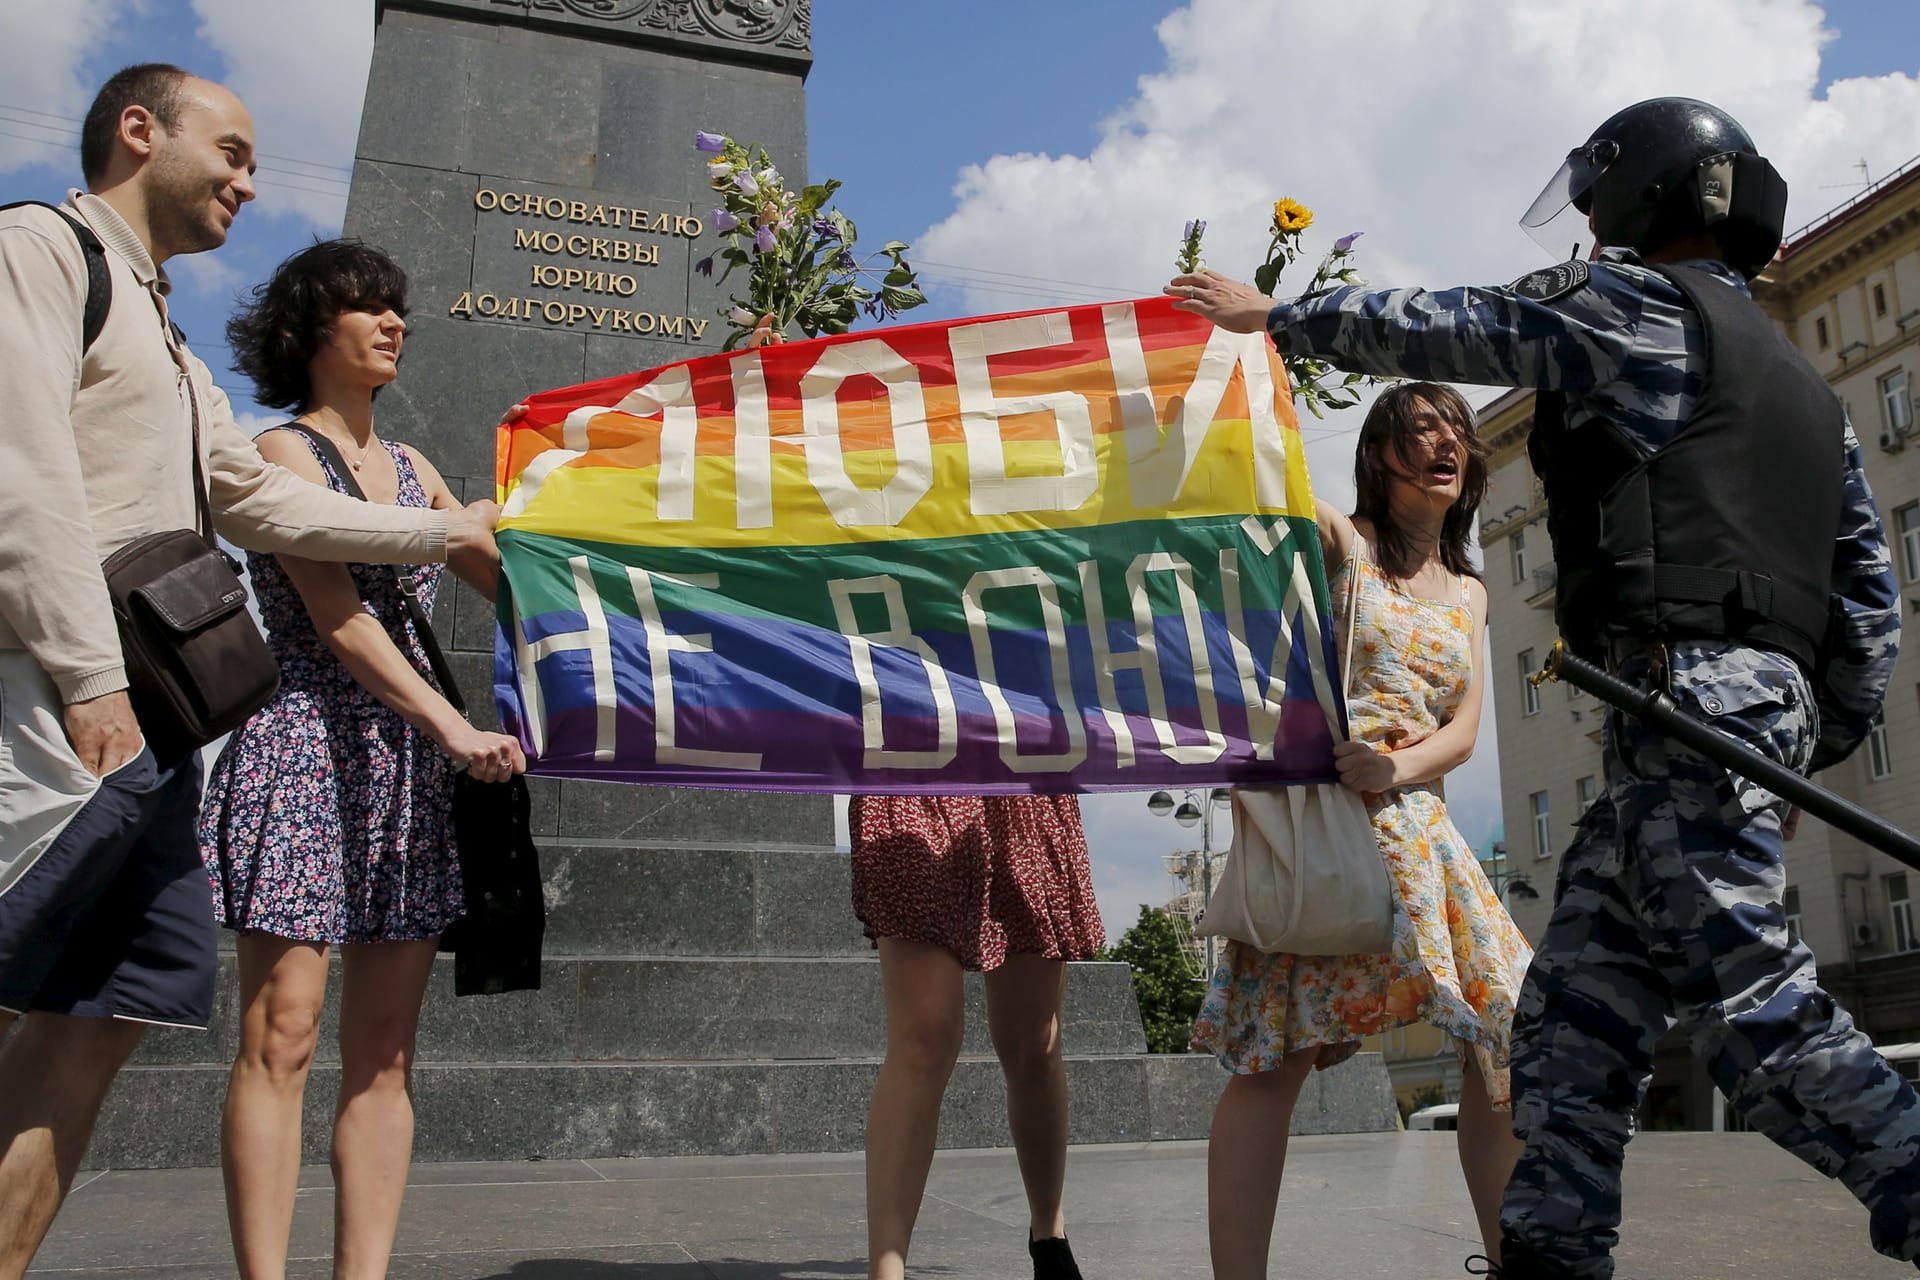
[41,80]
[301,68]
[253,423]
[1429,129]
[207,275]
[1428,124]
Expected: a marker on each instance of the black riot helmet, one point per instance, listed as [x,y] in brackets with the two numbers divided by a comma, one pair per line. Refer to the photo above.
[1660,170]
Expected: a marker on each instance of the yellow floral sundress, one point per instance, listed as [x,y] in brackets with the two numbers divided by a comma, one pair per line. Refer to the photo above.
[1457,959]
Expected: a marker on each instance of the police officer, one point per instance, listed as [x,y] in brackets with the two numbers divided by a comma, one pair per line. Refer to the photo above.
[1714,533]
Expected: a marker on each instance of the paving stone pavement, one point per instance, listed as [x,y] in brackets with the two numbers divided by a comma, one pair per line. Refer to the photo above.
[1366,1205]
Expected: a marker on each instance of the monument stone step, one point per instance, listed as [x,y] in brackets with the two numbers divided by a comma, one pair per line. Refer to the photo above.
[593,1009]
[605,898]
[169,1116]
[618,899]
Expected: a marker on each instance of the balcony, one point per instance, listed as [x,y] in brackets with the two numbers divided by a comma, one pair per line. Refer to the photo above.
[1544,579]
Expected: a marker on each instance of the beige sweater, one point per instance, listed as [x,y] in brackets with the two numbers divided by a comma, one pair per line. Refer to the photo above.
[97,453]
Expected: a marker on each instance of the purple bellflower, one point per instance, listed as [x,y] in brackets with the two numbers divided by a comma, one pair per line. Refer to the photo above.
[711,143]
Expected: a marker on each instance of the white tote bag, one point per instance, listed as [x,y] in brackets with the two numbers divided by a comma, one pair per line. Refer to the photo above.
[1304,875]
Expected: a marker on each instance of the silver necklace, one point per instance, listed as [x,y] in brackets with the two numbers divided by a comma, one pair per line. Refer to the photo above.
[359,460]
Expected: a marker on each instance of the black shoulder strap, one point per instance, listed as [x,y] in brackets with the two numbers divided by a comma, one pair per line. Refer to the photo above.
[99,279]
[422,625]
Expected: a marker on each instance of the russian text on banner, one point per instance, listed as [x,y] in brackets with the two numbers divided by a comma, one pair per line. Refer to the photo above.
[1066,550]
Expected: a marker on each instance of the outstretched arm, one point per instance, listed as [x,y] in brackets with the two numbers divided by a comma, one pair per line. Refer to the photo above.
[368,653]
[264,507]
[1495,336]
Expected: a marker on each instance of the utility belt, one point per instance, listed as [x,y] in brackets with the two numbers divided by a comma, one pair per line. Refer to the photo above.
[1676,602]
[1624,650]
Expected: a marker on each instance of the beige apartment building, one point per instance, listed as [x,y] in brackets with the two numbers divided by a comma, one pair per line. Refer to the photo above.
[1846,291]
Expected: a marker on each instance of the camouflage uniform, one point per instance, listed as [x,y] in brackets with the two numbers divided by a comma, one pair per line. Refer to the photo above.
[1669,904]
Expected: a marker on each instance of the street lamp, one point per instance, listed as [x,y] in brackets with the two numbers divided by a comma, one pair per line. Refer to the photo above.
[1508,884]
[1196,806]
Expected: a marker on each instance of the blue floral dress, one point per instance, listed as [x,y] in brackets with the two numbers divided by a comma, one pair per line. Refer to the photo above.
[328,818]
[1458,959]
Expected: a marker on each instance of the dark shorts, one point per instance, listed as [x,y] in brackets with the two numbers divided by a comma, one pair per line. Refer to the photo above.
[115,918]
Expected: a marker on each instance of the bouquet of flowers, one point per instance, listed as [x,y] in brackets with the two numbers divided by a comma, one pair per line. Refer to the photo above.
[1316,382]
[802,267]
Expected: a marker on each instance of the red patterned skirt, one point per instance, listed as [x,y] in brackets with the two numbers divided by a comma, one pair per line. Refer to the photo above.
[980,876]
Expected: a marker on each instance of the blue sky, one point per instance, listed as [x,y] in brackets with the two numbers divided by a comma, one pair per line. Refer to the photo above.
[1043,153]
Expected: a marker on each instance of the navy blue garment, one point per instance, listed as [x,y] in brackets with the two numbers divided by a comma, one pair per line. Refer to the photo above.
[1669,907]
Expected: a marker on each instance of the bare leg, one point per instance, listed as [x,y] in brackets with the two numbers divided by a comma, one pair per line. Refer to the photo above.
[55,1072]
[1023,1014]
[1488,1152]
[381,988]
[1246,1154]
[924,1024]
[282,985]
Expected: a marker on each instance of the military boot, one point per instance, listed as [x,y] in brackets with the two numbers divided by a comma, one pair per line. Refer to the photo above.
[1518,1261]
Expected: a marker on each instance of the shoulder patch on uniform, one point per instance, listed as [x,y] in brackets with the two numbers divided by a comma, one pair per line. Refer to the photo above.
[1550,284]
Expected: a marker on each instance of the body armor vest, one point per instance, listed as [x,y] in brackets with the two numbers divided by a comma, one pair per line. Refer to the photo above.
[1725,531]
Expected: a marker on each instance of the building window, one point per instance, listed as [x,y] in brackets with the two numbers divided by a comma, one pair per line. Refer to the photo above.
[1588,789]
[1907,521]
[1542,830]
[1820,331]
[1879,758]
[1519,541]
[1900,907]
[1792,906]
[1895,407]
[1879,300]
[1529,692]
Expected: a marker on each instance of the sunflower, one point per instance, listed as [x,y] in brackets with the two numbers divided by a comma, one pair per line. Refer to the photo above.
[1290,217]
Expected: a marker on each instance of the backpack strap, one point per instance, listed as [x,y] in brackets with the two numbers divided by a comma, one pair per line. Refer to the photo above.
[99,280]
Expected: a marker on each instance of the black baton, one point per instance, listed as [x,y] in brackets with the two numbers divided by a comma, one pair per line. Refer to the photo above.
[1658,711]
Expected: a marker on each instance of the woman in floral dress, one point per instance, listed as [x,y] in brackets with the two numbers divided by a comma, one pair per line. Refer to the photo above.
[328,817]
[1457,959]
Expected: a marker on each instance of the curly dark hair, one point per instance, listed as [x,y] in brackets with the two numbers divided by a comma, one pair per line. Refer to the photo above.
[153,85]
[277,332]
[1390,426]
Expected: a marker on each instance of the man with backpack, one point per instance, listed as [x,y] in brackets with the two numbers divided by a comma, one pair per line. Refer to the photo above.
[1715,535]
[106,921]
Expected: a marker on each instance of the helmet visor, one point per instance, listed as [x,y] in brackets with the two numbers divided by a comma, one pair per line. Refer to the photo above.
[1557,218]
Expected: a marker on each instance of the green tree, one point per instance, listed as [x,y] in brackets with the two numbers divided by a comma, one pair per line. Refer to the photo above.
[1168,993]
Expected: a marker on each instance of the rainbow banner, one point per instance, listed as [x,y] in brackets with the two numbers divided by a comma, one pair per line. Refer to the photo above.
[1059,551]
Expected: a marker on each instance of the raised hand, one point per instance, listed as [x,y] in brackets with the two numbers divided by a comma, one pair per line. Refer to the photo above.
[1229,303]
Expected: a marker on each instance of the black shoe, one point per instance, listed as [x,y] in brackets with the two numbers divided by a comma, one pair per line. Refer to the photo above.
[1052,1259]
[1518,1261]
